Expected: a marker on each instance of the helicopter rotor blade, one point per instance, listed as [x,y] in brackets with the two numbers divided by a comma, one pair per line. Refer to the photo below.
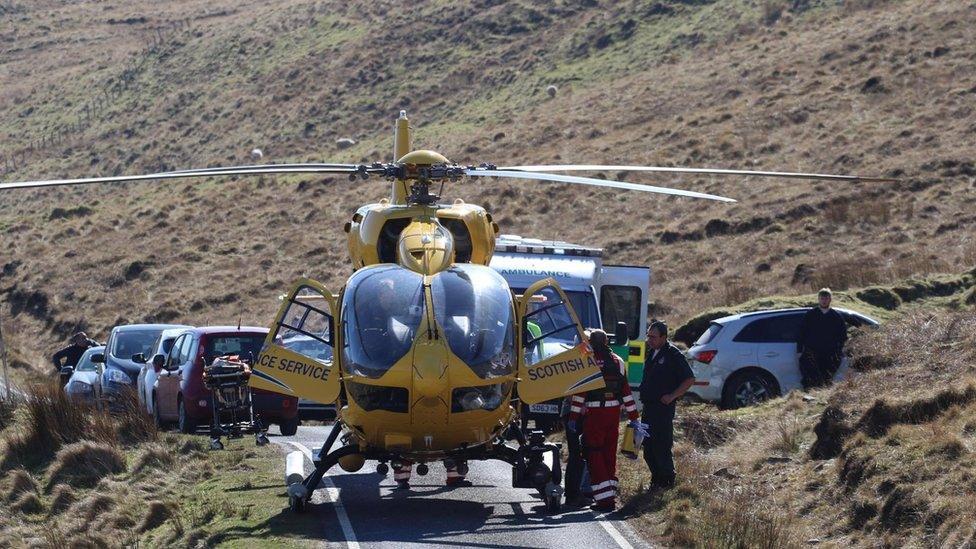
[480,172]
[205,172]
[702,171]
[302,165]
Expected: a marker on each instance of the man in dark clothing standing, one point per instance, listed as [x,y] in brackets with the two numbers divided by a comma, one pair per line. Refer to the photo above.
[821,342]
[72,353]
[574,463]
[667,377]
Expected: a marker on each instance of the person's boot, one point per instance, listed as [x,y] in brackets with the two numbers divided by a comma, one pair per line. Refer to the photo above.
[606,506]
[402,485]
[458,482]
[579,501]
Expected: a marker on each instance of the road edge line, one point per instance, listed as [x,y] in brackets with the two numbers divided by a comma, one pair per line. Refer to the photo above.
[344,522]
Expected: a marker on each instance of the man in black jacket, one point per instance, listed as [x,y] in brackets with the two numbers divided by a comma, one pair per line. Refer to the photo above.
[821,342]
[72,353]
[667,377]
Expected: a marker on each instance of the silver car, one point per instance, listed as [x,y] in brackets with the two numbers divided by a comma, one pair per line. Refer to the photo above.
[751,357]
[85,384]
[149,372]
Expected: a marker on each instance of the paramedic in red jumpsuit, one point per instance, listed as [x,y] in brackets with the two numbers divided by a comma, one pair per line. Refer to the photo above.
[602,425]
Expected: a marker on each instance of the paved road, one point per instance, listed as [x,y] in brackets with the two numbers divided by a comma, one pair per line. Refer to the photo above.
[362,510]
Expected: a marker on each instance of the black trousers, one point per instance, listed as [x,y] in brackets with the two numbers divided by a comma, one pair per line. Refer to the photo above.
[574,463]
[657,448]
[817,368]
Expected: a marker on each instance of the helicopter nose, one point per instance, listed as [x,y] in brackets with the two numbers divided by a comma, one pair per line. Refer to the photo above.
[429,365]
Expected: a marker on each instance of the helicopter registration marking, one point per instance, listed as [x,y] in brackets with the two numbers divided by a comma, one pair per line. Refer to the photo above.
[315,371]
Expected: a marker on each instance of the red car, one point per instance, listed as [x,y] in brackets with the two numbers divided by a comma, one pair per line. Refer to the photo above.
[181,395]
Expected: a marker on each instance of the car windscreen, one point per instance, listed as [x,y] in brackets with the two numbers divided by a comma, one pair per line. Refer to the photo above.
[713,329]
[246,346]
[381,311]
[167,345]
[128,343]
[85,363]
[473,305]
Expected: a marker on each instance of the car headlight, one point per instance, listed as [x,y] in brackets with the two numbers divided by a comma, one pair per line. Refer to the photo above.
[80,387]
[117,376]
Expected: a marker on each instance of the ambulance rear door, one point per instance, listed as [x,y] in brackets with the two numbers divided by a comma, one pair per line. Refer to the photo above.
[623,292]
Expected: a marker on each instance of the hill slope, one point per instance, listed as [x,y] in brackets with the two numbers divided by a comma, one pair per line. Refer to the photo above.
[870,87]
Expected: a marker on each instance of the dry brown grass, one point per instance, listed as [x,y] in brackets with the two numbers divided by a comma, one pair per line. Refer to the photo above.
[85,463]
[886,458]
[53,421]
[786,97]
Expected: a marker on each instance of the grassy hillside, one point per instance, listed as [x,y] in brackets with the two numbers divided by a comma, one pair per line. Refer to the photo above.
[866,86]
[884,459]
[72,476]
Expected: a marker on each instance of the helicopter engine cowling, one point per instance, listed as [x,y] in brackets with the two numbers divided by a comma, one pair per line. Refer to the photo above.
[425,247]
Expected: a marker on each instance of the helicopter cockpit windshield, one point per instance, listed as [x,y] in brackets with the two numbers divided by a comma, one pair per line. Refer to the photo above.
[382,309]
[473,305]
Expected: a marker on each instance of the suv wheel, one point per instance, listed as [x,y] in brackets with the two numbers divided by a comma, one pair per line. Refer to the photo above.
[748,388]
[289,427]
[187,424]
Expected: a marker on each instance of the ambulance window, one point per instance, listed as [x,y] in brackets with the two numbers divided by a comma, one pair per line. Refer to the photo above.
[548,328]
[621,304]
[382,308]
[473,305]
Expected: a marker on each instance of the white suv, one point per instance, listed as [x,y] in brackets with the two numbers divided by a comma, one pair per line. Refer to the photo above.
[747,358]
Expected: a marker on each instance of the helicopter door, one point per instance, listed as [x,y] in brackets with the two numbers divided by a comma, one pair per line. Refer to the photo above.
[297,357]
[555,359]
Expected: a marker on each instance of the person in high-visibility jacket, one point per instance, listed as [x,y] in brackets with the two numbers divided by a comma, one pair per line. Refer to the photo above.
[602,425]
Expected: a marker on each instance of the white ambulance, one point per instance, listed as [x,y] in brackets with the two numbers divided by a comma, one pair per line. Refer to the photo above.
[602,296]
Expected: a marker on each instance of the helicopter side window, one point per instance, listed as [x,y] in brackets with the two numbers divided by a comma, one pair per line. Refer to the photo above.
[306,327]
[473,306]
[549,328]
[381,311]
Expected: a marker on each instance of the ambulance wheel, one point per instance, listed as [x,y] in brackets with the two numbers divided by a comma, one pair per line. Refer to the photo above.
[296,503]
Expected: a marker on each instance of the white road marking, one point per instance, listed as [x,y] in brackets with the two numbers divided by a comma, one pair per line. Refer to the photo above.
[333,493]
[614,533]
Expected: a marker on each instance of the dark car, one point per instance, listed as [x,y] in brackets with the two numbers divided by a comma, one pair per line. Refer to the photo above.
[180,395]
[125,353]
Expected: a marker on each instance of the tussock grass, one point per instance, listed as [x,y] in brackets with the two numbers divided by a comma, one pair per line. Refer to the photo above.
[19,482]
[153,456]
[157,514]
[85,463]
[62,496]
[52,421]
[7,408]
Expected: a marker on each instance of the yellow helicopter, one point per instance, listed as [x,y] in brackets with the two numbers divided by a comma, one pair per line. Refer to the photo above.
[425,351]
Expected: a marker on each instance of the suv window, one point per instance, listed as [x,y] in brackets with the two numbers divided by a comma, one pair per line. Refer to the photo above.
[772,329]
[713,329]
[173,358]
[621,304]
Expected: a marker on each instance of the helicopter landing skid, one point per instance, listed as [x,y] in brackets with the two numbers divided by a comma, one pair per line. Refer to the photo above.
[529,468]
